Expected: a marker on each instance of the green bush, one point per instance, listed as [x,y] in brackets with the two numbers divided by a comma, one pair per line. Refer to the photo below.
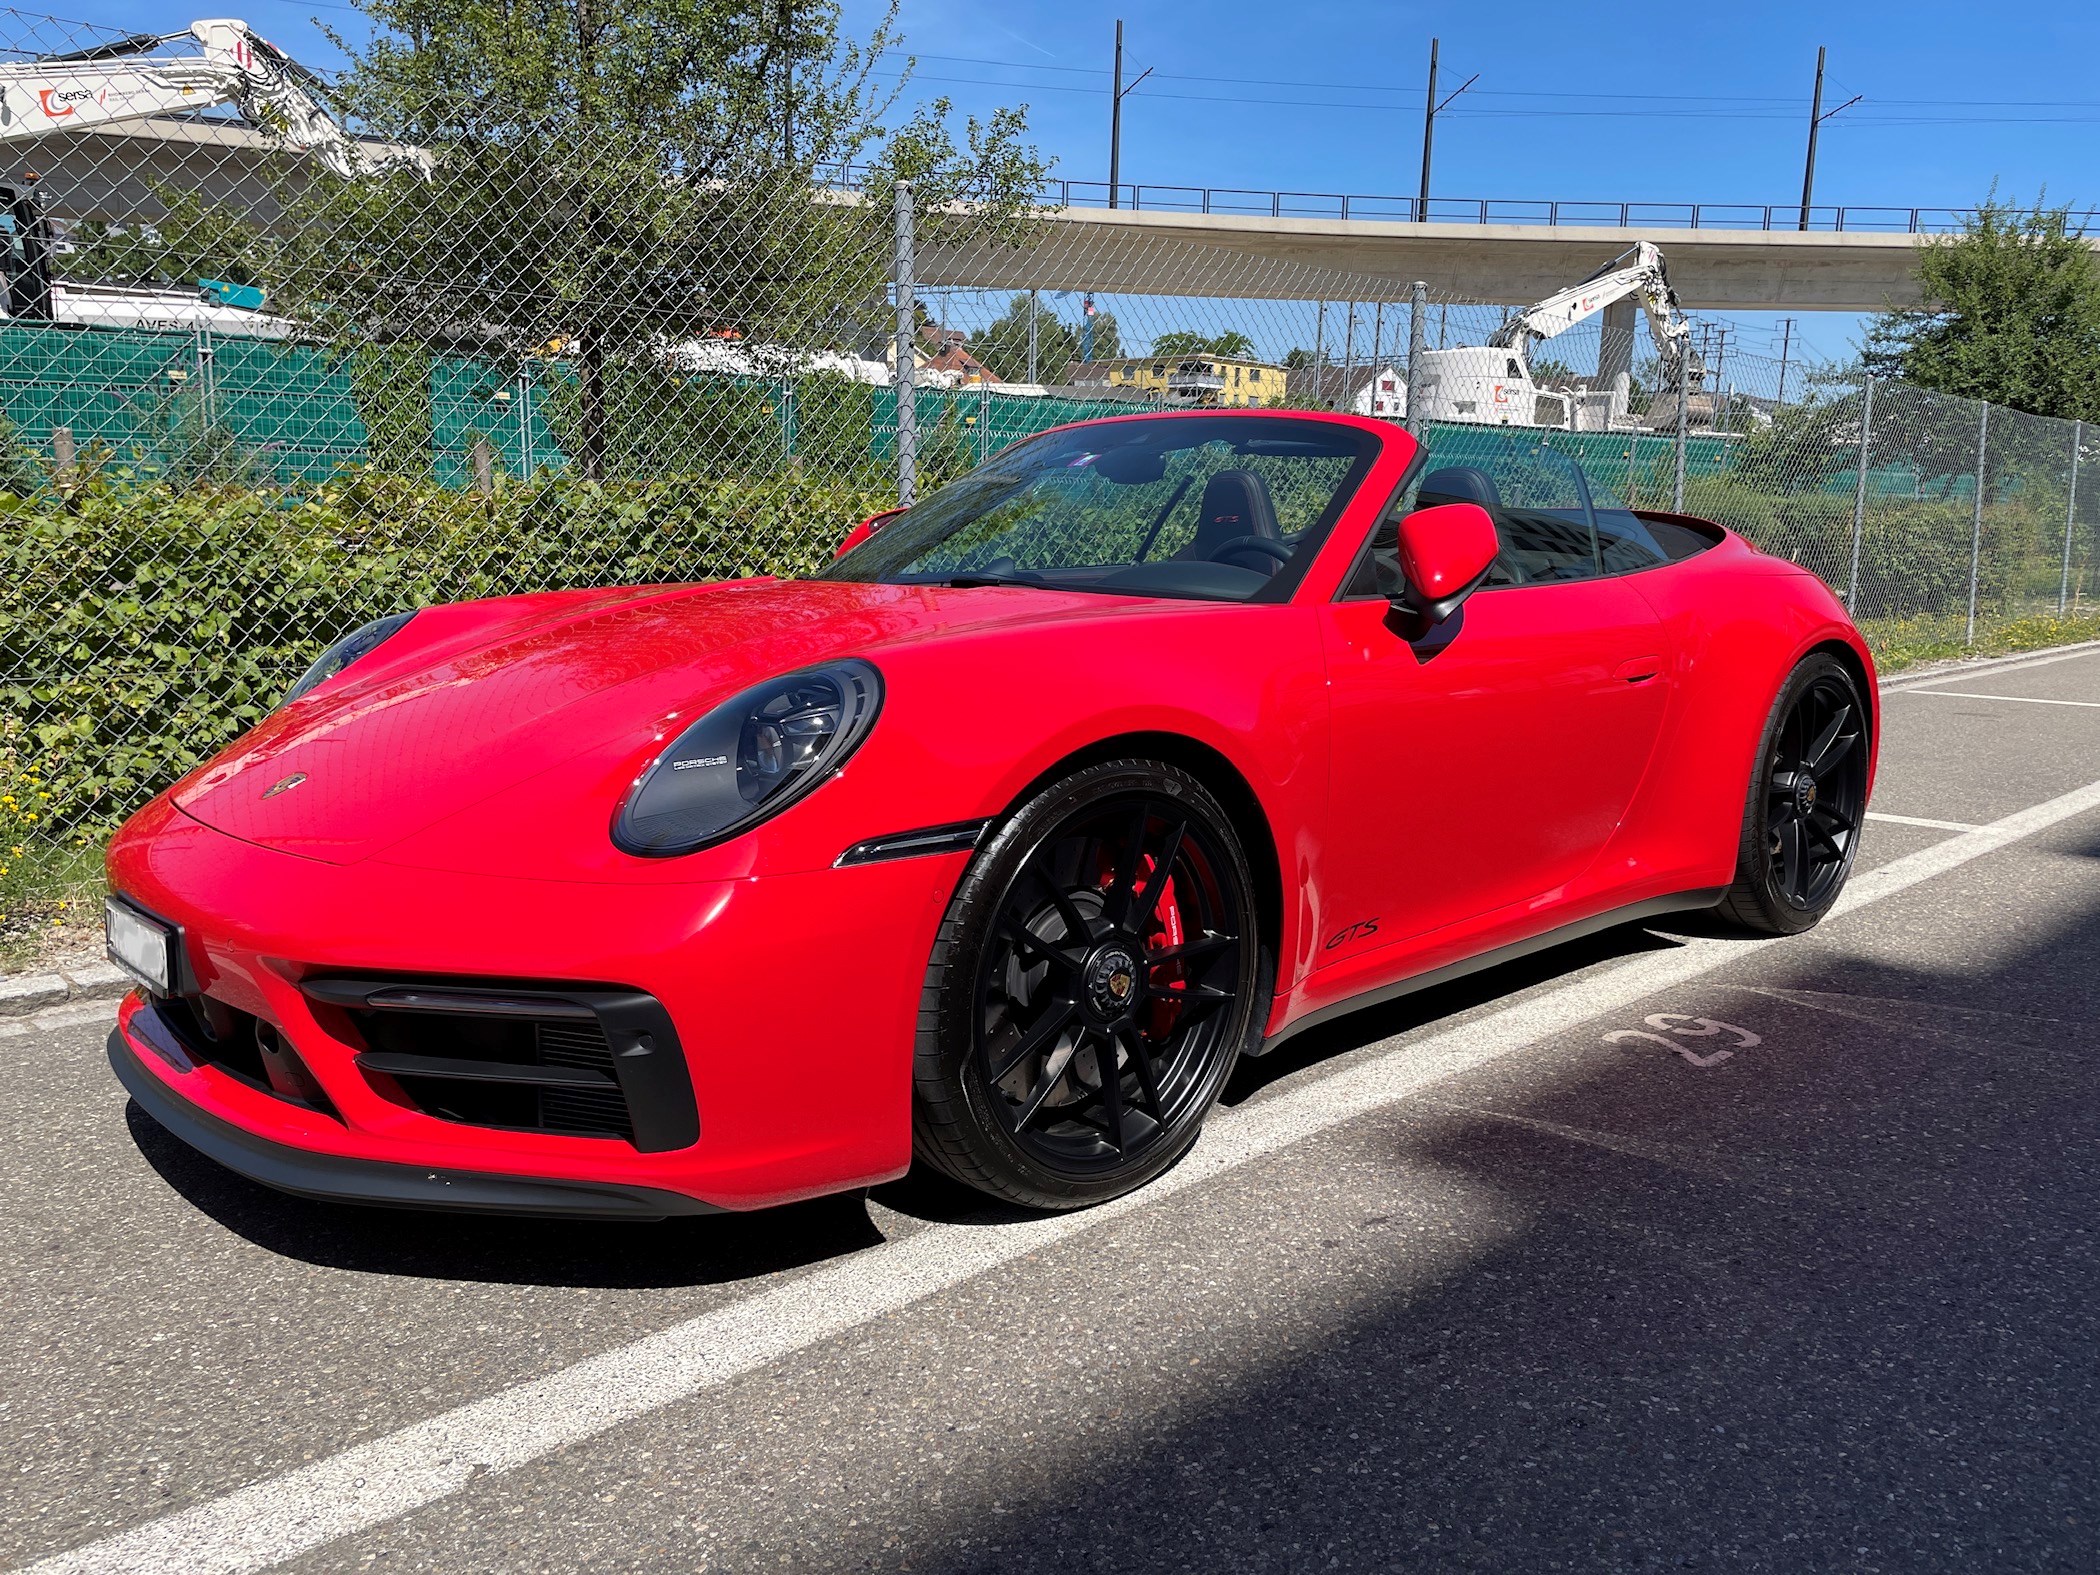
[143,627]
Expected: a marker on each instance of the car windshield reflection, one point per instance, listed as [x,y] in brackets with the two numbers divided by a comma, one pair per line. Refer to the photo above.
[1224,508]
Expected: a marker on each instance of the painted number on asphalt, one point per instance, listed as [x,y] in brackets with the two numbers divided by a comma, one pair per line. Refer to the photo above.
[1679,1026]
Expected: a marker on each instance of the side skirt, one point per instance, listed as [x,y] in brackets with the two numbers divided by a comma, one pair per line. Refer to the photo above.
[1632,913]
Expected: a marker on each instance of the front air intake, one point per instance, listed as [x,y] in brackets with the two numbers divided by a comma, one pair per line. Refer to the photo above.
[578,1061]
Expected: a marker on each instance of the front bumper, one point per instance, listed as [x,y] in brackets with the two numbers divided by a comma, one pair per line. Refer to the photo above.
[794,998]
[334,1178]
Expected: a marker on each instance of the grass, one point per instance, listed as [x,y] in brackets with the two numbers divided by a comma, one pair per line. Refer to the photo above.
[50,898]
[1905,642]
[50,901]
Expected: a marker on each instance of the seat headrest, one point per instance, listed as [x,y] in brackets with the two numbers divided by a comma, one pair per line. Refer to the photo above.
[1235,503]
[1458,484]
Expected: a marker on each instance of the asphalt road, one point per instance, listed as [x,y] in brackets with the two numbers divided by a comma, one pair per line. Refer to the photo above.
[1521,1274]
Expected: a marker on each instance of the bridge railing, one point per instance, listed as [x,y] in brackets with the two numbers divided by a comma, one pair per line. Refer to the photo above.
[1552,213]
[1545,212]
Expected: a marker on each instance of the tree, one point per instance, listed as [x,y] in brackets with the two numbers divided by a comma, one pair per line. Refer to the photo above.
[610,181]
[1004,346]
[1298,359]
[2011,314]
[1231,343]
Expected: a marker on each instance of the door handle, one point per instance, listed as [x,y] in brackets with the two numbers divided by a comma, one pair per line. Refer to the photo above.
[1639,670]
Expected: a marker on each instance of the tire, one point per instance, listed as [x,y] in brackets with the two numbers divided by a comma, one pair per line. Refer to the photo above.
[1806,804]
[1023,1014]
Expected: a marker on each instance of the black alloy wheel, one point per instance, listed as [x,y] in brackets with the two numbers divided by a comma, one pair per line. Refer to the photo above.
[1094,983]
[1808,801]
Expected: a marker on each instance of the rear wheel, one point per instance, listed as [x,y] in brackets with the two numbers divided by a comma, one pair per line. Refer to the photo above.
[1093,982]
[1808,798]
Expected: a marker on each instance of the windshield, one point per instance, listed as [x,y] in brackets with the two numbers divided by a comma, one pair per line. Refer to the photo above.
[1221,508]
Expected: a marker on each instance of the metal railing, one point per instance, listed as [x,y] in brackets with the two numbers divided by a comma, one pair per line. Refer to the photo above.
[1548,212]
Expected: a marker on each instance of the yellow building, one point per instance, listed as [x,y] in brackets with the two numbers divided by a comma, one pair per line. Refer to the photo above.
[1190,380]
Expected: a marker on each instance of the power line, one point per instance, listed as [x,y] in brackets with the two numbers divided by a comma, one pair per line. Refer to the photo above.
[1784,107]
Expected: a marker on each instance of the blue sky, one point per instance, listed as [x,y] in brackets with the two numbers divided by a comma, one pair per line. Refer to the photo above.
[1676,104]
[1665,104]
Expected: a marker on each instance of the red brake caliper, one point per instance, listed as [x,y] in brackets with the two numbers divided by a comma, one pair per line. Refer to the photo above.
[1167,931]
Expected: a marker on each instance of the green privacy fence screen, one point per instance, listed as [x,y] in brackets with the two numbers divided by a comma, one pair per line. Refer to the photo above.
[292,414]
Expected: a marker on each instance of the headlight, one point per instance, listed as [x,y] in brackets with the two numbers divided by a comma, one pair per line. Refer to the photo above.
[351,647]
[749,758]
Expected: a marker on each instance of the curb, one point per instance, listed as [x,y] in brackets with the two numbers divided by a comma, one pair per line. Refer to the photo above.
[1954,666]
[28,994]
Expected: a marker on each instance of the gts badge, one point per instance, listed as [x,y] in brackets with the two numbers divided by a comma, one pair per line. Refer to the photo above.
[1354,932]
[696,764]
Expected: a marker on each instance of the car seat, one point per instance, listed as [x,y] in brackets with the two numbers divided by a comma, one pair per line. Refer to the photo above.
[1234,503]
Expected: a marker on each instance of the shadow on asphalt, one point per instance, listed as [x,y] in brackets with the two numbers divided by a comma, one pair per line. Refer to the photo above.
[1833,1306]
[698,1250]
[1408,1012]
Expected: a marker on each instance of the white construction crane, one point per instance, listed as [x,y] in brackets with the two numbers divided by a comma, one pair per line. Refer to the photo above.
[1492,383]
[124,80]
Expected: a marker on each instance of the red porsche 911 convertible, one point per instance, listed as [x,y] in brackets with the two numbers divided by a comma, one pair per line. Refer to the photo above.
[1145,746]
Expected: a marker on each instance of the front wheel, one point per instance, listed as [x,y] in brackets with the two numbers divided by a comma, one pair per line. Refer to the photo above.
[1807,801]
[1093,982]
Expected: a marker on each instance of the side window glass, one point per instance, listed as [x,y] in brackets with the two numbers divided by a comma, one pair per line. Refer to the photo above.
[1538,498]
[1378,571]
[1626,544]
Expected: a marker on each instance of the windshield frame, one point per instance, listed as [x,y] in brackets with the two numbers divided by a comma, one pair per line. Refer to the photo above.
[1371,444]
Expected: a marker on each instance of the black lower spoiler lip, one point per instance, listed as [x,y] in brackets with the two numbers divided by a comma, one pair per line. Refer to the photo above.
[333,1178]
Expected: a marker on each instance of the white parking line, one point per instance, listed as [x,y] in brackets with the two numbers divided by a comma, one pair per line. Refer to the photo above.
[1967,694]
[1917,820]
[369,1484]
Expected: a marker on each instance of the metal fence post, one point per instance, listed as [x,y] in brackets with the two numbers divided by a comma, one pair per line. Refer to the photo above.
[207,395]
[1417,337]
[1859,498]
[524,422]
[1684,370]
[904,378]
[1032,310]
[2063,587]
[1983,433]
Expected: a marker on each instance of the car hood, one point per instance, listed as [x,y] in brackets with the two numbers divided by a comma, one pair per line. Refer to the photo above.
[472,699]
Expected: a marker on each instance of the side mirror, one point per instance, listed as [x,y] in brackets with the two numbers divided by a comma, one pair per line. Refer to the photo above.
[1445,552]
[865,529]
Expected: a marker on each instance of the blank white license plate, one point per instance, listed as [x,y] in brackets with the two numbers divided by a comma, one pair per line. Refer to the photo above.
[142,946]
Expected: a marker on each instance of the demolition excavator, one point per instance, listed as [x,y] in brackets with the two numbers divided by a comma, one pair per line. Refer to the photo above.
[134,79]
[1492,384]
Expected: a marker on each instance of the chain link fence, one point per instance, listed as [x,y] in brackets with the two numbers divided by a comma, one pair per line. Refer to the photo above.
[258,387]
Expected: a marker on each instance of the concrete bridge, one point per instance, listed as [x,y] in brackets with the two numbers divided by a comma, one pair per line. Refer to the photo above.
[1148,252]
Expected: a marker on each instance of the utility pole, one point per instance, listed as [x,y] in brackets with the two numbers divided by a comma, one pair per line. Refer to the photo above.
[1320,357]
[1816,117]
[1786,343]
[1115,117]
[1349,361]
[1377,349]
[1430,109]
[1715,410]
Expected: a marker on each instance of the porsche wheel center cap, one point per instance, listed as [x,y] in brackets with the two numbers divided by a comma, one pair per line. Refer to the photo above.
[1111,980]
[1804,793]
